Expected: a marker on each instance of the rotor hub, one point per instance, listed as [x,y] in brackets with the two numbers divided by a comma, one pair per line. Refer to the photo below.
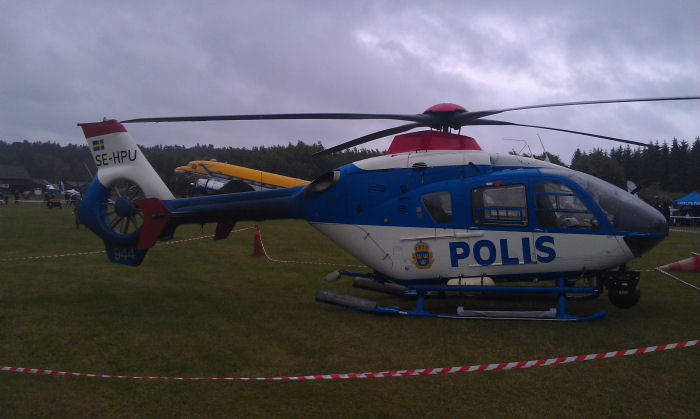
[444,108]
[442,112]
[123,207]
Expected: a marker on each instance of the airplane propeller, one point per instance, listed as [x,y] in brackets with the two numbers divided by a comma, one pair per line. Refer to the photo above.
[442,117]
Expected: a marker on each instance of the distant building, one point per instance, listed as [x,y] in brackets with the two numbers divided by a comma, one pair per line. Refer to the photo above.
[15,178]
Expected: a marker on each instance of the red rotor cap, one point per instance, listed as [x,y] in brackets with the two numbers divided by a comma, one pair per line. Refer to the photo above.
[445,107]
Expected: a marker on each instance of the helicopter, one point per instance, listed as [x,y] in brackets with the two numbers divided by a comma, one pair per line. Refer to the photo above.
[211,176]
[435,216]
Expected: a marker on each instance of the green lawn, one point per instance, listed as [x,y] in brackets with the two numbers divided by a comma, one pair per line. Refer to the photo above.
[205,308]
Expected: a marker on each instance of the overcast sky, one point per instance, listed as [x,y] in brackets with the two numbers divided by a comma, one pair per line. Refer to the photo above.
[66,62]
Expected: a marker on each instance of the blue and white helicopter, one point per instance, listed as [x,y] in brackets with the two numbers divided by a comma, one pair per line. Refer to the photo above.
[436,215]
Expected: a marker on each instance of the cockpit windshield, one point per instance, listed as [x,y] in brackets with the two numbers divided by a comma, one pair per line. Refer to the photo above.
[625,211]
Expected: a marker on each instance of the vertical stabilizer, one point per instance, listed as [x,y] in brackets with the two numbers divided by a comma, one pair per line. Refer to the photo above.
[117,157]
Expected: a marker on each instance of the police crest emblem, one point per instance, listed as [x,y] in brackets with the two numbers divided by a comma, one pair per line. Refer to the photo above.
[422,256]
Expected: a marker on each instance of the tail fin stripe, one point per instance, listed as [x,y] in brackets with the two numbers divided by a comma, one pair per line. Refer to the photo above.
[95,129]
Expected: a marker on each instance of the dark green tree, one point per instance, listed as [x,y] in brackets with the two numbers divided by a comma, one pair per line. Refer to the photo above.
[599,164]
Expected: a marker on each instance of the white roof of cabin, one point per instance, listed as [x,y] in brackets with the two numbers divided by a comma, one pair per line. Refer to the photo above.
[431,158]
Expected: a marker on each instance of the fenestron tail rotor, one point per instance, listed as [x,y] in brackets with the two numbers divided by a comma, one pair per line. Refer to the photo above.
[444,117]
[121,210]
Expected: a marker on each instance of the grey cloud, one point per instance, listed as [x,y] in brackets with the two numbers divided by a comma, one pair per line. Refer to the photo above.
[75,62]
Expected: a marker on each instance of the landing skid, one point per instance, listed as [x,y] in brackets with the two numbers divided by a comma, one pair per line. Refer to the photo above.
[426,291]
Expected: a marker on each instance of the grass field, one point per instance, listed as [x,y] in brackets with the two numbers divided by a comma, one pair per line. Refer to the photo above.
[205,308]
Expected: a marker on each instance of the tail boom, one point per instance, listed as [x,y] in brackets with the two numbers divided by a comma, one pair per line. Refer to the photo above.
[130,226]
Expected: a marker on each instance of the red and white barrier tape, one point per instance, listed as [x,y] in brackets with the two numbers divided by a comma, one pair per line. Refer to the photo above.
[384,374]
[679,230]
[267,256]
[658,269]
[97,252]
[677,278]
[303,262]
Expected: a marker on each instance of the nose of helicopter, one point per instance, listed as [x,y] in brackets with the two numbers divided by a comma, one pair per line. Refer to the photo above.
[644,225]
[641,225]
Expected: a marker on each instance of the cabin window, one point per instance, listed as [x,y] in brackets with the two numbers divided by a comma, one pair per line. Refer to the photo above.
[559,207]
[499,205]
[439,206]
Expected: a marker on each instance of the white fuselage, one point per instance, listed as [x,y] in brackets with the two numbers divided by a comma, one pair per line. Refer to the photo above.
[474,252]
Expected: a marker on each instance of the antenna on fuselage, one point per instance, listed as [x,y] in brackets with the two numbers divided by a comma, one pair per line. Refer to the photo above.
[518,153]
[546,156]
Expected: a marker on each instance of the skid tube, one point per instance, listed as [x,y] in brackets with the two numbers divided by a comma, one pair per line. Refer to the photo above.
[420,292]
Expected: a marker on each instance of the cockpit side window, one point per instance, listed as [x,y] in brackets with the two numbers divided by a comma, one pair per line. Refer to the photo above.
[439,206]
[559,207]
[499,205]
[625,211]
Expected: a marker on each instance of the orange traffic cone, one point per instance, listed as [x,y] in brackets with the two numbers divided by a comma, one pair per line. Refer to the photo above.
[690,264]
[258,249]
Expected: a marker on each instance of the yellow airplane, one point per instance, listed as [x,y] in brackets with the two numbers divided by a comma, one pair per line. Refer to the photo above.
[212,176]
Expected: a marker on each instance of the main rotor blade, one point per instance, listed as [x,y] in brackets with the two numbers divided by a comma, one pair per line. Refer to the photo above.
[493,122]
[369,137]
[461,119]
[421,118]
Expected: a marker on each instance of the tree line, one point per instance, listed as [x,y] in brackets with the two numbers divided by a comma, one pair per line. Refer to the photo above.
[660,168]
[55,162]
